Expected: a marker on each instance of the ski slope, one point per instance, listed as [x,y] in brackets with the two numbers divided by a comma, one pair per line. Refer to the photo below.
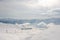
[13,32]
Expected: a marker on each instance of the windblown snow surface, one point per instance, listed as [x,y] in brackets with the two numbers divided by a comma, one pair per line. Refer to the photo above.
[14,32]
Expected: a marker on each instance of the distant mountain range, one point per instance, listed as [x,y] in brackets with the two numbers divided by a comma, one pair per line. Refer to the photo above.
[32,21]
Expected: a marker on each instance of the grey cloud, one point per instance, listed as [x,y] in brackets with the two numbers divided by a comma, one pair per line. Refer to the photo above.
[17,8]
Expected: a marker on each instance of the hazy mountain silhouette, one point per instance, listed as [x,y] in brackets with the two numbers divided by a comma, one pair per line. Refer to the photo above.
[32,21]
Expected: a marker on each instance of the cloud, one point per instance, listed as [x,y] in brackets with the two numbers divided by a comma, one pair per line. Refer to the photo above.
[42,3]
[28,9]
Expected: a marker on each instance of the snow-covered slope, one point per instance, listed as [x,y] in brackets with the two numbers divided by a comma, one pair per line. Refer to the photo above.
[13,32]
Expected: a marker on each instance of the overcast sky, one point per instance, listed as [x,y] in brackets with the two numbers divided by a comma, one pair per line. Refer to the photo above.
[30,9]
